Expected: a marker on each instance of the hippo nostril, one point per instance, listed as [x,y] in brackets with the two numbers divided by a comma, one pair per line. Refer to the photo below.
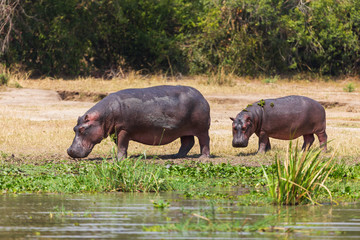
[71,153]
[239,143]
[236,144]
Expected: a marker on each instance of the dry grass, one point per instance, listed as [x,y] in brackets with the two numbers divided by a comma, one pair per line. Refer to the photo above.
[40,132]
[234,86]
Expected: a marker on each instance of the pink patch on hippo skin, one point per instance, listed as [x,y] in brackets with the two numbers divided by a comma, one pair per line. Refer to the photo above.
[98,134]
[91,116]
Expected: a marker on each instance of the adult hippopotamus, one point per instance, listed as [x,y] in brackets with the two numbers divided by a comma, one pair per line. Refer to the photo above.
[153,116]
[283,118]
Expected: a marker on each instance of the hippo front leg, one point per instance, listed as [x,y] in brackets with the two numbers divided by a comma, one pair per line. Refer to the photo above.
[264,143]
[322,136]
[123,144]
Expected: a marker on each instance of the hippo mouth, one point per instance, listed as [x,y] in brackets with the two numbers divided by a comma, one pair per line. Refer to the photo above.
[239,144]
[76,154]
[79,151]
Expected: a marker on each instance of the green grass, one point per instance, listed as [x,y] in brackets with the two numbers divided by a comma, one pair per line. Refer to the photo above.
[300,177]
[271,79]
[197,180]
[350,87]
[130,175]
[246,185]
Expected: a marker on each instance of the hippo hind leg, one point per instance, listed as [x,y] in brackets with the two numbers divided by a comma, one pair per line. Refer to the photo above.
[204,141]
[322,136]
[308,141]
[187,142]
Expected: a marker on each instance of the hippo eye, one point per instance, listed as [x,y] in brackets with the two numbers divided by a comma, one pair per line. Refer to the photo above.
[236,127]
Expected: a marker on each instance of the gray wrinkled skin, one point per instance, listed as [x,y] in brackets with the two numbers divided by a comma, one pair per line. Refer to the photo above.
[153,116]
[283,118]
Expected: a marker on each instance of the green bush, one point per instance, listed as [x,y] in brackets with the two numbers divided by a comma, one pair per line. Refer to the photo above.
[249,36]
[243,37]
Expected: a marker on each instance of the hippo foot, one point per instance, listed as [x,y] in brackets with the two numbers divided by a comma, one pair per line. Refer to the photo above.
[261,152]
[204,156]
[121,157]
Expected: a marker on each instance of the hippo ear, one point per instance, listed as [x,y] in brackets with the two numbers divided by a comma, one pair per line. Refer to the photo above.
[86,118]
[91,116]
[232,119]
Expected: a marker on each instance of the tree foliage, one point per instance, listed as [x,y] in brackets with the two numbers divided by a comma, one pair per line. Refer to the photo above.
[244,37]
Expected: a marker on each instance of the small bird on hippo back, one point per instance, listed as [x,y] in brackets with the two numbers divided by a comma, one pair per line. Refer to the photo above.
[284,118]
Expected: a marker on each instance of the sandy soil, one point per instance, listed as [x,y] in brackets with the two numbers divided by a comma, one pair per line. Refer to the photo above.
[22,99]
[35,105]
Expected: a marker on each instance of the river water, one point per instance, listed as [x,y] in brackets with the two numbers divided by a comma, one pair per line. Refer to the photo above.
[128,215]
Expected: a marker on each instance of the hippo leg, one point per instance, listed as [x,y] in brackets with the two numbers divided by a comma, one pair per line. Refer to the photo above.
[264,143]
[187,142]
[323,140]
[204,141]
[123,143]
[308,141]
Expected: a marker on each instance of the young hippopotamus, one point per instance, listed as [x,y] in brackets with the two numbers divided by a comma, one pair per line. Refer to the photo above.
[283,118]
[153,116]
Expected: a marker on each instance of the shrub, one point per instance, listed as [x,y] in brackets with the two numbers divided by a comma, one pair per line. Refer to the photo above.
[242,37]
[300,178]
[349,87]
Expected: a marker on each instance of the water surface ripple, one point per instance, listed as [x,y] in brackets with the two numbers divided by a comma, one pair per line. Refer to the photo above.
[126,215]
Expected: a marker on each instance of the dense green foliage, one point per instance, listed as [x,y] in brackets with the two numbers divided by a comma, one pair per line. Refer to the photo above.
[245,37]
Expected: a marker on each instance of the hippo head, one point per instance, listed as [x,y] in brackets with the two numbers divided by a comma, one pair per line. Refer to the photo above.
[242,128]
[88,132]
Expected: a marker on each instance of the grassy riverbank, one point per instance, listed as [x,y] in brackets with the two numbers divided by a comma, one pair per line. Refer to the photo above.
[246,185]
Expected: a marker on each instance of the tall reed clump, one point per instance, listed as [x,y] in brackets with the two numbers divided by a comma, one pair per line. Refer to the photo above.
[129,175]
[300,178]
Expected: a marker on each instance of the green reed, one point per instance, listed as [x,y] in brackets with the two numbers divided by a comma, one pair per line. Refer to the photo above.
[300,178]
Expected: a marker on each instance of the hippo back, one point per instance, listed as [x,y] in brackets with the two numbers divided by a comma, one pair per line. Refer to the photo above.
[161,112]
[292,116]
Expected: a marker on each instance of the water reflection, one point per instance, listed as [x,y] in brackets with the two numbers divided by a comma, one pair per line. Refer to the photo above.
[124,216]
